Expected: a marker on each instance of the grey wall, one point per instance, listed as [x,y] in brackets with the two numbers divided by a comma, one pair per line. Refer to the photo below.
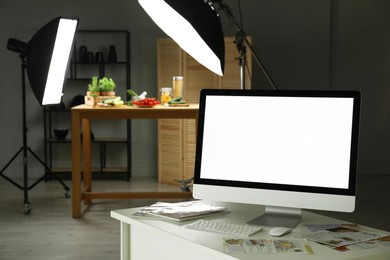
[304,44]
[361,60]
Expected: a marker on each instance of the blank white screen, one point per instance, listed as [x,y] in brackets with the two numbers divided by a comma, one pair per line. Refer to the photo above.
[283,140]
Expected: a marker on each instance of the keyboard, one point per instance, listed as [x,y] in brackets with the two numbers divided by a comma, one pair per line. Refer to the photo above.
[224,228]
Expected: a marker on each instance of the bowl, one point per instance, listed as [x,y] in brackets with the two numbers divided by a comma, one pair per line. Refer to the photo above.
[61,133]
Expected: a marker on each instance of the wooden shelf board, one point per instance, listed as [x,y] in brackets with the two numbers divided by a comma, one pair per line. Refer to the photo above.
[96,140]
[94,170]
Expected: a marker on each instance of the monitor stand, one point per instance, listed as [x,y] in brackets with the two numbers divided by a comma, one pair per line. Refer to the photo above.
[278,217]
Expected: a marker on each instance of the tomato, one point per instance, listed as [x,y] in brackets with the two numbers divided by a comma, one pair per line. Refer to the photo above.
[146,102]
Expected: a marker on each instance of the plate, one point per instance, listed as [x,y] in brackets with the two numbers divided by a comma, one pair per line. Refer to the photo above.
[145,106]
[179,105]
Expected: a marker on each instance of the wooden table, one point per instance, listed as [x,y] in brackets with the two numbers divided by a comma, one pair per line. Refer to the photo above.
[81,117]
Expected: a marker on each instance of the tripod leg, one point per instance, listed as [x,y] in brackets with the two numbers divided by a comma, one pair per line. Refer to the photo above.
[27,208]
[6,166]
[11,160]
[48,171]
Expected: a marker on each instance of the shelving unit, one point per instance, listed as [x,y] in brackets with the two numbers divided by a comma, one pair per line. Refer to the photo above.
[102,65]
[80,74]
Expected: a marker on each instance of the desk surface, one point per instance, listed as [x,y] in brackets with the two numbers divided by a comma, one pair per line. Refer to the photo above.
[211,243]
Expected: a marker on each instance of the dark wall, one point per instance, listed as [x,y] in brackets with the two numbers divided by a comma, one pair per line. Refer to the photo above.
[337,45]
[361,61]
[292,40]
[304,44]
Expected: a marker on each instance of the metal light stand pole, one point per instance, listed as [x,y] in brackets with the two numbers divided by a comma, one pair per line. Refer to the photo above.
[25,149]
[241,43]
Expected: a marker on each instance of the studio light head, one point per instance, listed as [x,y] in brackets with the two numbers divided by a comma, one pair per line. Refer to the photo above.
[194,25]
[46,57]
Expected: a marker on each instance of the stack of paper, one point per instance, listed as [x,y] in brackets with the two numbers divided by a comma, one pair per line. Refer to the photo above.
[179,211]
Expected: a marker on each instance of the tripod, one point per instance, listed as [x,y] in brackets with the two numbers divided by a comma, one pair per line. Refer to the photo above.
[24,150]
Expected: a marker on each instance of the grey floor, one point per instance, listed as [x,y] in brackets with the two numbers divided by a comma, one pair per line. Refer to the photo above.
[49,232]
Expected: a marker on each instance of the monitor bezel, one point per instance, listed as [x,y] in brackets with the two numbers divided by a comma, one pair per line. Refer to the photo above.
[350,191]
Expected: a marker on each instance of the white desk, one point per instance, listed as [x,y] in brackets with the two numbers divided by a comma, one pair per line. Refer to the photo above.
[157,239]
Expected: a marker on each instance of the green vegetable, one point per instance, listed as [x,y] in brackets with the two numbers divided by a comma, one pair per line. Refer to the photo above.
[118,102]
[178,100]
[93,86]
[106,84]
[113,101]
[132,93]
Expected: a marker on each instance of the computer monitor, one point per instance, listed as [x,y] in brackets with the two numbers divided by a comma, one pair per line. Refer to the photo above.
[288,150]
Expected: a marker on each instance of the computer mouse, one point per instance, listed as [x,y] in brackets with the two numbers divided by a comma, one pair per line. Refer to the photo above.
[279,231]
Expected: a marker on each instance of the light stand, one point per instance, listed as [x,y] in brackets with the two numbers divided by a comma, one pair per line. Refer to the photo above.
[25,149]
[241,43]
[40,64]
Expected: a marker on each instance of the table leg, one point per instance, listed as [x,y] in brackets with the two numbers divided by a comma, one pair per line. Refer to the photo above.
[87,158]
[125,241]
[76,162]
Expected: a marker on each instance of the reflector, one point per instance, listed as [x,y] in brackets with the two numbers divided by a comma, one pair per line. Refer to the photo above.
[194,25]
[47,57]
